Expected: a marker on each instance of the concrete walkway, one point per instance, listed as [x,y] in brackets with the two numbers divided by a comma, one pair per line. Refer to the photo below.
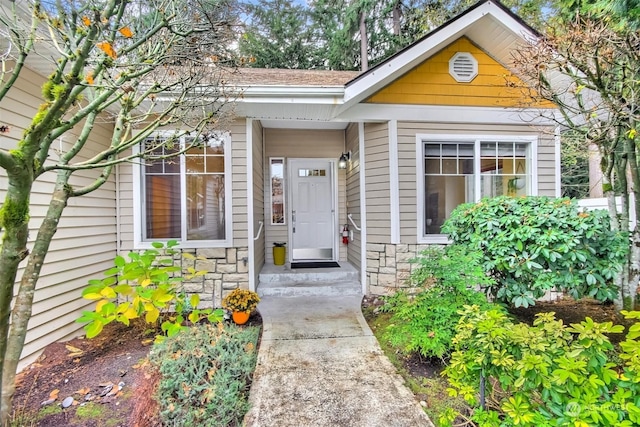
[320,365]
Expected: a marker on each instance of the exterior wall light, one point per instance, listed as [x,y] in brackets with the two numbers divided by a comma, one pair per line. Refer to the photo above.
[344,158]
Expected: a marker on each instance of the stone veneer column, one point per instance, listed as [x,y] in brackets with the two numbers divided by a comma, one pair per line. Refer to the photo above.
[227,269]
[389,266]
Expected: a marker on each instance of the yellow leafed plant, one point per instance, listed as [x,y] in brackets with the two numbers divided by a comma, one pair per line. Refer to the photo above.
[148,285]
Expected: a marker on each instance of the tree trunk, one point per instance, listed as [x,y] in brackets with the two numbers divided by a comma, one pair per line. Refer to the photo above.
[397,16]
[616,222]
[14,218]
[22,309]
[631,287]
[364,43]
[595,173]
[630,290]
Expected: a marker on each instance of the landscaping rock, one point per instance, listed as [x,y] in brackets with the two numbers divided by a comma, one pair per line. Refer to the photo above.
[68,401]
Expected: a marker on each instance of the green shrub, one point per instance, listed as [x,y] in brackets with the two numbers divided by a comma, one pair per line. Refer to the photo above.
[548,374]
[146,285]
[205,372]
[535,244]
[424,318]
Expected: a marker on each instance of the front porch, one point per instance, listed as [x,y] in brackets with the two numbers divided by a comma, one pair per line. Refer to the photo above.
[300,200]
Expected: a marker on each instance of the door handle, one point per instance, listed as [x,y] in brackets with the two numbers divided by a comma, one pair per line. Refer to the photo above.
[293,221]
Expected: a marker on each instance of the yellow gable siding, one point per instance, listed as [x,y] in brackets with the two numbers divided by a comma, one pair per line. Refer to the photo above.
[431,84]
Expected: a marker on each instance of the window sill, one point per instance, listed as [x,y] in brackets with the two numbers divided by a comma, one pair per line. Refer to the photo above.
[434,239]
[187,245]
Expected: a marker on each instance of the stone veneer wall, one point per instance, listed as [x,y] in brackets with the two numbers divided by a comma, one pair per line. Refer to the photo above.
[389,266]
[228,269]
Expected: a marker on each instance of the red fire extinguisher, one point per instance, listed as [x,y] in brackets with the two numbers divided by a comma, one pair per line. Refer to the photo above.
[345,234]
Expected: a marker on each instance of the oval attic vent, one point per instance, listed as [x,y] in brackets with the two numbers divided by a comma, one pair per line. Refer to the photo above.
[463,67]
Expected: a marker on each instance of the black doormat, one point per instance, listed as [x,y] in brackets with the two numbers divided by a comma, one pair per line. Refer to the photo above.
[320,264]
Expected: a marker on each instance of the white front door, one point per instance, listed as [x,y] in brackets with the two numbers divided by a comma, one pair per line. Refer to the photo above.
[313,220]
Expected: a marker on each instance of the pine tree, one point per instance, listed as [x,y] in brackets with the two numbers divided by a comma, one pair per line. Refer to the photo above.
[278,35]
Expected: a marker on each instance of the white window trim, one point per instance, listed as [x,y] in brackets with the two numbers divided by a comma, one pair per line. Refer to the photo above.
[138,203]
[532,162]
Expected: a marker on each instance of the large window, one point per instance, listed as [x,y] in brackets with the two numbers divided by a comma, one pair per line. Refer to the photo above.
[461,170]
[184,197]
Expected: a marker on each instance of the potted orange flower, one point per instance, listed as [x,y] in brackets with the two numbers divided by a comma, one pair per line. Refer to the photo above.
[241,302]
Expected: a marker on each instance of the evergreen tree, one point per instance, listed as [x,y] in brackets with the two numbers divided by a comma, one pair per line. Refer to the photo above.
[350,27]
[619,14]
[279,35]
[353,27]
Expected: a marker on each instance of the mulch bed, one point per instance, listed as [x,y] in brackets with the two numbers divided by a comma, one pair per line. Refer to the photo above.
[84,369]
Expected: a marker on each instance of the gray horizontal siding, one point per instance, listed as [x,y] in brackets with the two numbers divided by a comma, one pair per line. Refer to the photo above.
[377,183]
[85,243]
[353,194]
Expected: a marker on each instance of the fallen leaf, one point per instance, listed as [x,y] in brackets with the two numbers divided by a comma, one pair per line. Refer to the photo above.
[83,391]
[75,354]
[73,349]
[147,341]
[54,394]
[143,363]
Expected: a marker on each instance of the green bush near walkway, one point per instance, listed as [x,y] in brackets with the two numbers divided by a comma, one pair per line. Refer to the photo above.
[205,374]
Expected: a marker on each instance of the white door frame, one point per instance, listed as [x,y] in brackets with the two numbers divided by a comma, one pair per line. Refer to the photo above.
[334,196]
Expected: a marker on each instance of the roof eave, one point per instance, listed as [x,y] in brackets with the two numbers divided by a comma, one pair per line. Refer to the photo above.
[305,93]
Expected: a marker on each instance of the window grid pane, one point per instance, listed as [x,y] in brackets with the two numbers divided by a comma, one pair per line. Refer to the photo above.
[205,191]
[161,178]
[203,201]
[448,180]
[503,169]
[453,175]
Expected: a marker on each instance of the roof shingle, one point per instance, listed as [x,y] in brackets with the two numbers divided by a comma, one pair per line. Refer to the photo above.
[288,77]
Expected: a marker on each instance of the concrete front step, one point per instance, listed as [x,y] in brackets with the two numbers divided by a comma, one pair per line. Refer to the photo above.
[285,281]
[299,289]
[286,275]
